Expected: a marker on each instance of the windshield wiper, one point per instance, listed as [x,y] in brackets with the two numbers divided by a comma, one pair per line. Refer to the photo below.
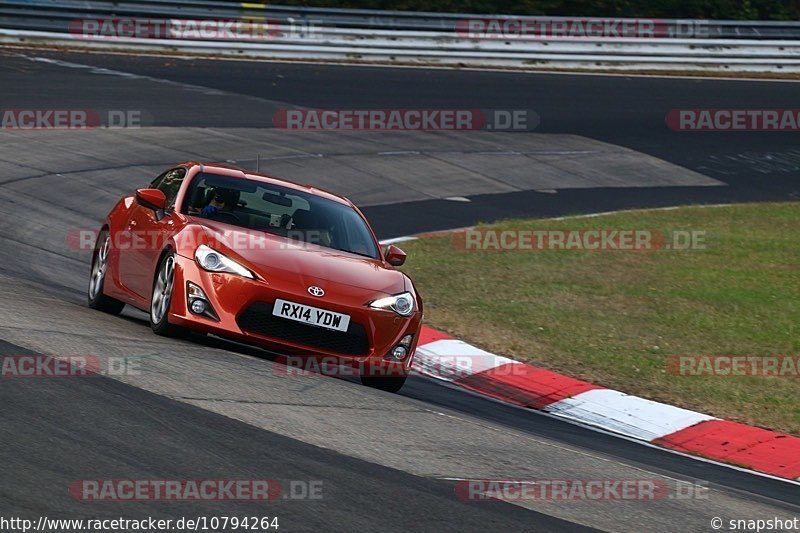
[356,253]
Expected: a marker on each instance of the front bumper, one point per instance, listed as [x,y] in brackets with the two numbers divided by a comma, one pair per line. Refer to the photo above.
[244,309]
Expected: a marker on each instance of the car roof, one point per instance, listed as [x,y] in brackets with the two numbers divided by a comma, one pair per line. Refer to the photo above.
[232,171]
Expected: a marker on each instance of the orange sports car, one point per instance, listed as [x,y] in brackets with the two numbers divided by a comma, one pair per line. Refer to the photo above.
[260,260]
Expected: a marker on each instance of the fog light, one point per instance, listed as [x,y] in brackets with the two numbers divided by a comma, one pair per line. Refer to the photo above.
[198,307]
[198,303]
[399,352]
[406,341]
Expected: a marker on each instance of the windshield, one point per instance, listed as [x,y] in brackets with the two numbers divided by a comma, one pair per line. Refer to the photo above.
[281,211]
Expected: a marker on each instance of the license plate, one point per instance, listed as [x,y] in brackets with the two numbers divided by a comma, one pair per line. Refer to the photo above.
[311,315]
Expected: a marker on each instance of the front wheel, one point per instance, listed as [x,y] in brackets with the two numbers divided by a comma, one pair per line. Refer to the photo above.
[388,384]
[161,299]
[98,300]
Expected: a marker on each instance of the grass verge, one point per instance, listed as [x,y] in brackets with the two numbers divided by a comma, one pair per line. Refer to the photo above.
[617,318]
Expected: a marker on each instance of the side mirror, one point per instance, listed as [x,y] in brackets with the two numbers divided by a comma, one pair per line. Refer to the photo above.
[395,256]
[152,199]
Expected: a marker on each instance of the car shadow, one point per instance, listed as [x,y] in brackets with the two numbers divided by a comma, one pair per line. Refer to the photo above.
[140,318]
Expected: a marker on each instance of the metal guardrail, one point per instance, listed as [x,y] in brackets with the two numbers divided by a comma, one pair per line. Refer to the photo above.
[30,13]
[408,37]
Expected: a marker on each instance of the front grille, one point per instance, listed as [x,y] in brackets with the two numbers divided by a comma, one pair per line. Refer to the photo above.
[258,319]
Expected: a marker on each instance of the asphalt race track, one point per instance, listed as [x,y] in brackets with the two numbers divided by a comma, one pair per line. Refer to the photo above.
[202,408]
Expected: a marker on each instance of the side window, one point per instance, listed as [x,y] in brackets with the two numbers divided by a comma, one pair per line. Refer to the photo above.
[155,182]
[170,183]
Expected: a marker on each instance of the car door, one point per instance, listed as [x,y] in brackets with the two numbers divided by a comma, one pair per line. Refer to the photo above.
[146,234]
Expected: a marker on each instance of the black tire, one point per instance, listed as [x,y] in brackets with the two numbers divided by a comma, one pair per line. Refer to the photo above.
[161,299]
[388,384]
[97,276]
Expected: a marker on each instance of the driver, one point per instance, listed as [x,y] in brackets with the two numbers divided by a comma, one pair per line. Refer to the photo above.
[216,204]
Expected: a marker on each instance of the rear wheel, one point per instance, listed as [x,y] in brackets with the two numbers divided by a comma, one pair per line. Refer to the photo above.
[98,300]
[389,384]
[162,299]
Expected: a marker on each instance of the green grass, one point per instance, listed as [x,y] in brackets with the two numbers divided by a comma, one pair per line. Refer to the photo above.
[614,317]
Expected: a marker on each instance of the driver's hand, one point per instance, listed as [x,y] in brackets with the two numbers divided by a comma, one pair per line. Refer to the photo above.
[208,210]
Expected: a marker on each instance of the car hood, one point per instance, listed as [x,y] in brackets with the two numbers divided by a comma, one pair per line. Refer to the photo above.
[270,256]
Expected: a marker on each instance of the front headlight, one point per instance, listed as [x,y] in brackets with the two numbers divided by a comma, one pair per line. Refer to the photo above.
[213,261]
[402,304]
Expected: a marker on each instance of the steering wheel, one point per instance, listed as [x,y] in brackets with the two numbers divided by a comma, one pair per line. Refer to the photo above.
[223,215]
